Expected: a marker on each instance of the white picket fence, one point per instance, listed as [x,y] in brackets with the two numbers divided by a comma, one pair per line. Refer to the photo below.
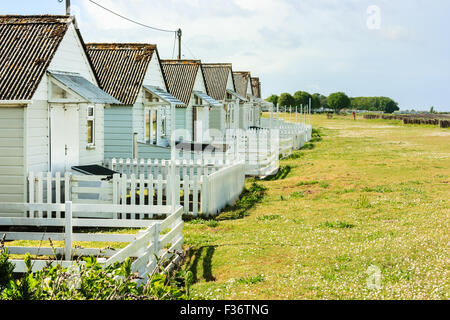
[259,149]
[160,238]
[202,187]
[155,167]
[298,132]
[195,189]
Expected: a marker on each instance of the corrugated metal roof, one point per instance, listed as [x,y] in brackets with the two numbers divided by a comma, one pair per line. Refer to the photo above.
[241,79]
[83,87]
[212,102]
[237,95]
[216,77]
[256,87]
[121,67]
[164,95]
[27,46]
[180,77]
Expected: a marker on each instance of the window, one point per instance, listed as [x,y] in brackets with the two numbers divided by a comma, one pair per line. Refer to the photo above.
[90,125]
[151,126]
[227,116]
[198,101]
[163,126]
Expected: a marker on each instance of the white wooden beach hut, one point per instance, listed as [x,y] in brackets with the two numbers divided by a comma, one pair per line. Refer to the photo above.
[257,101]
[51,109]
[220,84]
[242,80]
[142,125]
[186,82]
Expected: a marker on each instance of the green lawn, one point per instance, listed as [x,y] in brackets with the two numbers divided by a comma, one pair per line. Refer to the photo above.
[361,213]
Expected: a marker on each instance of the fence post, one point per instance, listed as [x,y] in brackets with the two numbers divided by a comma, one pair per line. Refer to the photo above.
[68,232]
[205,196]
[156,238]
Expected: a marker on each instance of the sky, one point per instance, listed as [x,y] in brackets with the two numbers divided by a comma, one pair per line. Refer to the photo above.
[394,48]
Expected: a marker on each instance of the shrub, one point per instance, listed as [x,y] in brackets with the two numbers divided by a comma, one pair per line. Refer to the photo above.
[6,267]
[88,280]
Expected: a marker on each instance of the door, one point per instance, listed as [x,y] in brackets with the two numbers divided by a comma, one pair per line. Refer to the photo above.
[64,141]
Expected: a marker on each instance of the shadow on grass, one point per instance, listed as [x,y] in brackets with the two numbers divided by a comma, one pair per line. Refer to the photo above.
[204,254]
[248,199]
[280,175]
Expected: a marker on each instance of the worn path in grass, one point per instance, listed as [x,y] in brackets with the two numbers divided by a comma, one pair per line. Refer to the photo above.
[361,213]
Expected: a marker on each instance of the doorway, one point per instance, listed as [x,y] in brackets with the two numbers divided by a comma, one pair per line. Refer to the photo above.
[64,138]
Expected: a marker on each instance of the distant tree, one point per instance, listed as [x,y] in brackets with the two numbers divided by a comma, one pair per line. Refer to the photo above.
[302,98]
[317,99]
[286,100]
[384,104]
[432,109]
[273,98]
[387,105]
[338,101]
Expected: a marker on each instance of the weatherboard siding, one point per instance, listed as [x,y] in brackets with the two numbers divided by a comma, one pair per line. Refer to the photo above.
[118,132]
[148,151]
[183,123]
[138,120]
[216,121]
[12,158]
[37,135]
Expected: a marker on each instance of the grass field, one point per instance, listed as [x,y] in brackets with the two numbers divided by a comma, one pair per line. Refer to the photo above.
[362,212]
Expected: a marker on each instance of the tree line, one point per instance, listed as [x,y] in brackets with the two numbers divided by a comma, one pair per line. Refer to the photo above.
[336,101]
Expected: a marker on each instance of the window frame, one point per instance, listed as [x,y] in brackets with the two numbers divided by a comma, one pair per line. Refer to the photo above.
[90,118]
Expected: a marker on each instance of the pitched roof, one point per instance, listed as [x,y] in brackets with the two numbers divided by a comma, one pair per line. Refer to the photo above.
[216,77]
[121,67]
[256,87]
[241,79]
[180,77]
[27,46]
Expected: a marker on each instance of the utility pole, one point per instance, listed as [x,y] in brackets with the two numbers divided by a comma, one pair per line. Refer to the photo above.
[67,7]
[179,33]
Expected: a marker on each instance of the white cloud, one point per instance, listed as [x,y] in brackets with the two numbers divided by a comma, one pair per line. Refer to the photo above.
[291,44]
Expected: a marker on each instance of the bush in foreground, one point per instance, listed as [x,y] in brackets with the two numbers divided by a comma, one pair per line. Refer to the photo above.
[89,281]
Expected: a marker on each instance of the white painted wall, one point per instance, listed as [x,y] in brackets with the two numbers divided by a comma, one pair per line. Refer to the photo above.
[153,77]
[230,85]
[199,84]
[70,57]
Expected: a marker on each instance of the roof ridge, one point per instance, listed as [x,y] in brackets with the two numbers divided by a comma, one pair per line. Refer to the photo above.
[35,19]
[118,45]
[180,62]
[217,64]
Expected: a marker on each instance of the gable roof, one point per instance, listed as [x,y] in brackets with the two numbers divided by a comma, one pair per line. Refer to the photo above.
[27,46]
[216,77]
[180,77]
[241,79]
[121,67]
[256,87]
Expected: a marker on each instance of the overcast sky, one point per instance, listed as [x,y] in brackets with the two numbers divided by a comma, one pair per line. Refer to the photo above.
[394,48]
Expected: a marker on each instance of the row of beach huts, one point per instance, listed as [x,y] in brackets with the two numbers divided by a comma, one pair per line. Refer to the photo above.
[111,135]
